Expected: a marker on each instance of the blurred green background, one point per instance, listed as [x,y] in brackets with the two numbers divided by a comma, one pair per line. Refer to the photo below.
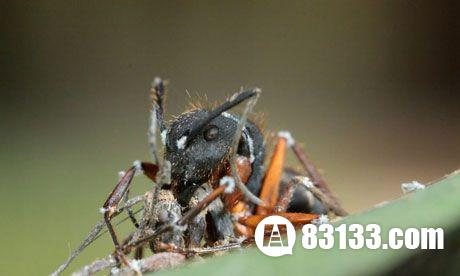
[370,87]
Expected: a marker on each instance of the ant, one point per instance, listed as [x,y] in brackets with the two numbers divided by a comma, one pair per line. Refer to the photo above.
[211,186]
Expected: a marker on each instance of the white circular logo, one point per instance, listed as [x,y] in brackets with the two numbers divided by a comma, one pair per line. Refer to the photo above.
[275,228]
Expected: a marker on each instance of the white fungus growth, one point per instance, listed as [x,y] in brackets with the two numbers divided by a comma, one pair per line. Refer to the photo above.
[181,142]
[306,182]
[287,135]
[179,228]
[115,271]
[137,165]
[121,174]
[241,239]
[237,215]
[412,186]
[233,97]
[322,219]
[136,265]
[229,182]
[157,81]
[103,210]
[164,136]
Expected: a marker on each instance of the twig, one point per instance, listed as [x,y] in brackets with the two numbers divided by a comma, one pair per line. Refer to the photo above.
[152,263]
[213,249]
[157,261]
[97,266]
[250,104]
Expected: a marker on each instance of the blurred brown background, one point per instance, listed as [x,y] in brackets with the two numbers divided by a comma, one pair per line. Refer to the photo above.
[370,87]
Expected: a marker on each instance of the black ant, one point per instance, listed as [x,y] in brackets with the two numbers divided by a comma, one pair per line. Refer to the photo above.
[207,152]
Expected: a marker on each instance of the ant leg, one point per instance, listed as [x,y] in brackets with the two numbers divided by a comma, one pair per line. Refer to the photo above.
[270,187]
[297,198]
[285,198]
[166,211]
[234,100]
[139,253]
[158,92]
[130,210]
[222,222]
[312,171]
[327,203]
[233,201]
[111,204]
[225,187]
[270,190]
[197,225]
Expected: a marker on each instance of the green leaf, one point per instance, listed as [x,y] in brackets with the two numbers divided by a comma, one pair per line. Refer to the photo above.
[436,206]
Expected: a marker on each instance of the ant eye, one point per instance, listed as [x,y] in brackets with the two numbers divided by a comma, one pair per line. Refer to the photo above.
[211,133]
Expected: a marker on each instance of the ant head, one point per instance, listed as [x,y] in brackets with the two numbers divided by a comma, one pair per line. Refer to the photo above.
[198,142]
[193,159]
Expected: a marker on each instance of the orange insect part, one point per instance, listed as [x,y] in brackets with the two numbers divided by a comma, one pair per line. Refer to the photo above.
[297,219]
[270,187]
[150,170]
[244,169]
